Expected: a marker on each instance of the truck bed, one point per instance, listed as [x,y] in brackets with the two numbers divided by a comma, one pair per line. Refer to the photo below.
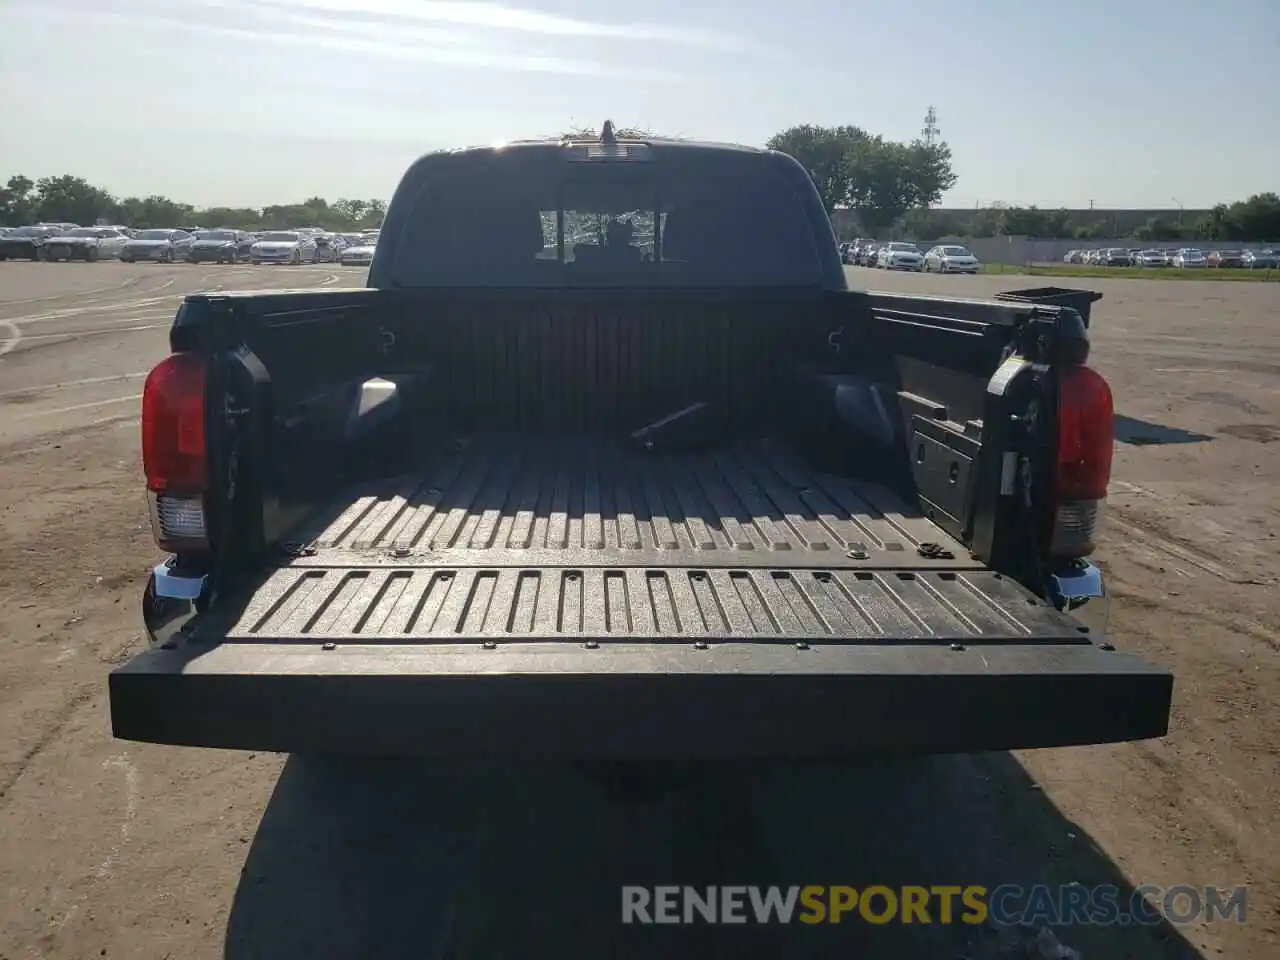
[528,598]
[507,538]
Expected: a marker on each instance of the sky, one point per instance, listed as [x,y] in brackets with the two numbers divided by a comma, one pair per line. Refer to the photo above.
[1119,103]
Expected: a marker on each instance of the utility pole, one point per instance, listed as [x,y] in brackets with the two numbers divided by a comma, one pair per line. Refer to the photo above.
[1179,203]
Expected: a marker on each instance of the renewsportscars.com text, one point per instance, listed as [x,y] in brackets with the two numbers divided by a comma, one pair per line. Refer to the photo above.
[1102,905]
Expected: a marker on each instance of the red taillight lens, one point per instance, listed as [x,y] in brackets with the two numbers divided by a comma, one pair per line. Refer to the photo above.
[173,448]
[1086,444]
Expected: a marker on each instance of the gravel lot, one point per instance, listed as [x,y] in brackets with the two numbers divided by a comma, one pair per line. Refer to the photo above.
[124,850]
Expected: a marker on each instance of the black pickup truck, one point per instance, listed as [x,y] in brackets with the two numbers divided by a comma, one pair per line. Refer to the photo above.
[608,463]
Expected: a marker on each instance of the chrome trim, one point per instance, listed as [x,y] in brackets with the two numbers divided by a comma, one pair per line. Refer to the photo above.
[175,586]
[1080,591]
[169,603]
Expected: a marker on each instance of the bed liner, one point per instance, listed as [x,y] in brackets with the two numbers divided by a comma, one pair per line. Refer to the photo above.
[570,601]
[598,502]
[521,540]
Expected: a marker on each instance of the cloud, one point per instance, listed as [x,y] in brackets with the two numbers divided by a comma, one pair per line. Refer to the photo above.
[495,16]
[453,49]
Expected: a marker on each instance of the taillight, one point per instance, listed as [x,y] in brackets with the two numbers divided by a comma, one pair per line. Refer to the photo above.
[173,451]
[1086,442]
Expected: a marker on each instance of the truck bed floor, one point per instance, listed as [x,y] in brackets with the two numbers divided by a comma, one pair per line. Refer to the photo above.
[524,540]
[595,502]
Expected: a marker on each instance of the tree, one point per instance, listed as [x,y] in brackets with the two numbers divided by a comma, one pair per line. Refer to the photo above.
[1216,224]
[152,211]
[880,179]
[1156,229]
[17,205]
[69,199]
[1257,218]
[826,152]
[925,224]
[375,211]
[353,210]
[592,133]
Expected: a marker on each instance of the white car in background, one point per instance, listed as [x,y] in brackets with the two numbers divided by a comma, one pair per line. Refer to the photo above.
[86,243]
[1149,258]
[1190,257]
[900,255]
[164,246]
[283,246]
[951,259]
[358,254]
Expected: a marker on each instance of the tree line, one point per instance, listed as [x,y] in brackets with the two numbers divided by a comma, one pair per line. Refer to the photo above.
[878,178]
[1254,220]
[71,199]
[869,184]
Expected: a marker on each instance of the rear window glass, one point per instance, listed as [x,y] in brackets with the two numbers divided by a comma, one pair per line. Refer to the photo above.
[703,221]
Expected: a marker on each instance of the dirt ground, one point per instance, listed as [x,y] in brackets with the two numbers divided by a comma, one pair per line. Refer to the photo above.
[125,850]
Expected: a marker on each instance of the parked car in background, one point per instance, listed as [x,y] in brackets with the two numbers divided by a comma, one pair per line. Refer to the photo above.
[1073,256]
[950,259]
[284,246]
[1225,259]
[26,243]
[1114,257]
[1260,259]
[1188,258]
[163,246]
[358,254]
[219,246]
[859,248]
[900,255]
[1170,256]
[86,243]
[328,246]
[1149,258]
[864,254]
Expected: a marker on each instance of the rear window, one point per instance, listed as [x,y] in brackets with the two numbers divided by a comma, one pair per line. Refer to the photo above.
[702,220]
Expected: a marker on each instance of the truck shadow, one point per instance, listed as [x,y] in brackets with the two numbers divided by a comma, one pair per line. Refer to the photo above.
[400,859]
[1145,433]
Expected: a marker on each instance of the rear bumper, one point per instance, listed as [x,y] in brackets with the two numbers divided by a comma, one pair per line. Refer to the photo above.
[557,700]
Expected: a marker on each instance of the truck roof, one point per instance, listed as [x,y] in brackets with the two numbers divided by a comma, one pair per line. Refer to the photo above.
[657,145]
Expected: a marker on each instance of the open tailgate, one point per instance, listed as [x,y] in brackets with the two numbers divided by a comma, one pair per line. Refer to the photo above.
[637,612]
[639,663]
